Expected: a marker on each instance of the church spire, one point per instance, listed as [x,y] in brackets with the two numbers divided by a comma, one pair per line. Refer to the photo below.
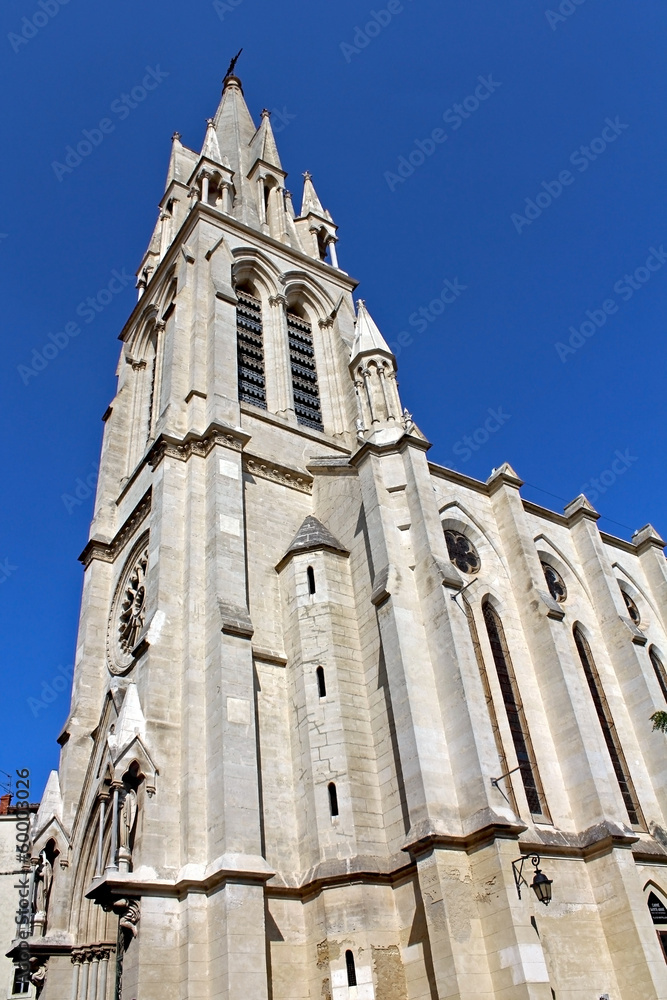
[310,203]
[211,147]
[263,144]
[373,370]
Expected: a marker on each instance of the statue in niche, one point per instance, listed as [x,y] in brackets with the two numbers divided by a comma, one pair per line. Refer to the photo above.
[42,890]
[128,819]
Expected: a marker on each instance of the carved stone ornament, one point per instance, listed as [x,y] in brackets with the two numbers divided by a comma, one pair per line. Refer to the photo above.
[129,912]
[462,552]
[127,619]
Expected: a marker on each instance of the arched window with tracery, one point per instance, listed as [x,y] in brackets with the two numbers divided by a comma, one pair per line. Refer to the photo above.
[305,389]
[516,716]
[250,347]
[659,669]
[609,731]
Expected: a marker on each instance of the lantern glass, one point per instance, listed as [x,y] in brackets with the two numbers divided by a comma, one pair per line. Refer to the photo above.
[541,886]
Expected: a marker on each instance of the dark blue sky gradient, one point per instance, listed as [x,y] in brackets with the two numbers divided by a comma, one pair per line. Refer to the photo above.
[492,348]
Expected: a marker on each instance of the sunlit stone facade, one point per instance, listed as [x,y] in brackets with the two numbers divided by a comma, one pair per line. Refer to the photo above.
[326,693]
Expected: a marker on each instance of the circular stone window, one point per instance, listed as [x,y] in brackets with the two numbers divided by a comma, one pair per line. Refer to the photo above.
[555,583]
[633,610]
[462,552]
[128,611]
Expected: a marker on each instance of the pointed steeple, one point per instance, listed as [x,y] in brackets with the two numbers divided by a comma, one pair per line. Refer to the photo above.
[311,204]
[211,147]
[367,339]
[263,143]
[234,126]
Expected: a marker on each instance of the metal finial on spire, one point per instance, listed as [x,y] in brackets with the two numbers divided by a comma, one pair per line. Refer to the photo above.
[232,65]
[307,174]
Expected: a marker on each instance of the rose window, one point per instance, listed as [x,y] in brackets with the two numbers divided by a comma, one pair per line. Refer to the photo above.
[127,619]
[462,552]
[555,583]
[133,607]
[633,610]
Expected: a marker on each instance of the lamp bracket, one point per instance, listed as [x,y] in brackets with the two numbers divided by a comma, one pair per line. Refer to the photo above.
[517,868]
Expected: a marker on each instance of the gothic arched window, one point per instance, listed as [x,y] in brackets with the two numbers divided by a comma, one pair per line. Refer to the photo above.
[305,390]
[484,677]
[515,714]
[659,668]
[608,728]
[250,349]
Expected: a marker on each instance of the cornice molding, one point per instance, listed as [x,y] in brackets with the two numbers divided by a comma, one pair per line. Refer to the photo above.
[97,548]
[295,479]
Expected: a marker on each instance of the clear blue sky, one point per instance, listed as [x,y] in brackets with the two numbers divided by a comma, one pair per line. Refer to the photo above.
[349,115]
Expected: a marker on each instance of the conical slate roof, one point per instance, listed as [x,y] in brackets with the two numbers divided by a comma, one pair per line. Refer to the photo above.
[313,535]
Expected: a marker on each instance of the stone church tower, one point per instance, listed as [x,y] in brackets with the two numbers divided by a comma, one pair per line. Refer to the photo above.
[331,699]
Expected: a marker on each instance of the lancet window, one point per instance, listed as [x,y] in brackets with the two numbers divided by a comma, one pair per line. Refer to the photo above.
[250,349]
[608,728]
[515,713]
[304,373]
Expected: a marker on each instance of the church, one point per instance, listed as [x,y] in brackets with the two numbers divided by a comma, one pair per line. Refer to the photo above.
[345,724]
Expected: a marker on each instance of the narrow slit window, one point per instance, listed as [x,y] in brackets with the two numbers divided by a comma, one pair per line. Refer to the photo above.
[516,716]
[304,374]
[660,672]
[351,970]
[333,800]
[321,683]
[311,580]
[250,349]
[608,729]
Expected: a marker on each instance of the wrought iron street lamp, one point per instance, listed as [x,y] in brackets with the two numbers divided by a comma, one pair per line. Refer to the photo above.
[541,885]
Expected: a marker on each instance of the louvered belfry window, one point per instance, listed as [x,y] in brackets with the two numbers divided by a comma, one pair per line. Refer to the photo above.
[304,373]
[609,731]
[250,347]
